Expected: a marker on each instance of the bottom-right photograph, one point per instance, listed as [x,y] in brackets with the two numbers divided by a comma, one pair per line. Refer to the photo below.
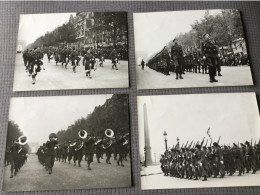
[199,140]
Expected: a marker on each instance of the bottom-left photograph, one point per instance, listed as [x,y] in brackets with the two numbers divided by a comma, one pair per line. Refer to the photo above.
[68,142]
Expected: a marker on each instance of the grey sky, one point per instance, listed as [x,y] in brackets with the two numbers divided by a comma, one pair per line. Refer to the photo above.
[153,30]
[234,117]
[32,26]
[37,117]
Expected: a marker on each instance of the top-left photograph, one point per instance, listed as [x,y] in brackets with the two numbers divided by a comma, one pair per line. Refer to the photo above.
[81,50]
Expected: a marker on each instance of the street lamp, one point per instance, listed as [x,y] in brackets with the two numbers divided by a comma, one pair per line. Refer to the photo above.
[165,139]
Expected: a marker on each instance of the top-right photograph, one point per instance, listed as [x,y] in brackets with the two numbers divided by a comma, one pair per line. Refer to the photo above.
[197,48]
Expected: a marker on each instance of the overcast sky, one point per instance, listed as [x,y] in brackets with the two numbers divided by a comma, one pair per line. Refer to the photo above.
[153,30]
[234,117]
[37,117]
[32,26]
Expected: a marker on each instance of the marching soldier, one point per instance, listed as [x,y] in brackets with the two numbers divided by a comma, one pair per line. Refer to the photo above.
[50,153]
[89,144]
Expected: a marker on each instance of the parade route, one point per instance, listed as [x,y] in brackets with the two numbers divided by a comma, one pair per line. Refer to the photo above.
[232,76]
[33,177]
[57,77]
[159,181]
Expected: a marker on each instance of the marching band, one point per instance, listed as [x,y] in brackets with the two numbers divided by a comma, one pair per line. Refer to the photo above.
[86,145]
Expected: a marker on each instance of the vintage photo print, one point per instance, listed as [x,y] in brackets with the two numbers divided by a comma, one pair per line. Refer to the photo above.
[68,142]
[200,48]
[82,50]
[199,141]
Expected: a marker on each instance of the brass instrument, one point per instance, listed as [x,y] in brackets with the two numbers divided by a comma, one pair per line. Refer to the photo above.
[109,133]
[22,140]
[80,146]
[83,134]
[107,143]
[98,141]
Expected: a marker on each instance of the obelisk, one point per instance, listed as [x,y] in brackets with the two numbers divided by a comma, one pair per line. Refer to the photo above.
[147,147]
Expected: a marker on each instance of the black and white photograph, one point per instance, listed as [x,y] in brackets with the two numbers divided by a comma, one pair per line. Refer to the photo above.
[199,140]
[81,50]
[67,142]
[194,48]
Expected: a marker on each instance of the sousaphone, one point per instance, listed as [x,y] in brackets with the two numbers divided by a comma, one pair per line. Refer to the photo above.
[109,133]
[22,140]
[83,134]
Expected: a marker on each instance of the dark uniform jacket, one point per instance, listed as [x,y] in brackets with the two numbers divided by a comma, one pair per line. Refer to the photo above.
[50,147]
[209,49]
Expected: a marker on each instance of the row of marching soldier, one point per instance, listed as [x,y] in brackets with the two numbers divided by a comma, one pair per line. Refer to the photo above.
[195,161]
[90,57]
[86,145]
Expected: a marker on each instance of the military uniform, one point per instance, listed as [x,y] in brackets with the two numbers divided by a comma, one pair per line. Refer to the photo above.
[177,57]
[210,52]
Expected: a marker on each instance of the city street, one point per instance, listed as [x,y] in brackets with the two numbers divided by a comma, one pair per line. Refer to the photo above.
[56,77]
[232,76]
[33,176]
[155,179]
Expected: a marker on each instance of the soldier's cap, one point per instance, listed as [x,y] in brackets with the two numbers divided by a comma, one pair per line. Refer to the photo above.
[174,40]
[215,144]
[52,135]
[235,145]
[209,147]
[225,147]
[204,147]
[247,143]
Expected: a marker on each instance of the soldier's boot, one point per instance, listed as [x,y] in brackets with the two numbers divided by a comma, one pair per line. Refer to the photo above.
[74,163]
[50,170]
[118,163]
[11,176]
[205,178]
[177,76]
[239,173]
[222,175]
[98,160]
[79,165]
[215,176]
[89,166]
[122,165]
[196,178]
[219,74]
[254,171]
[181,77]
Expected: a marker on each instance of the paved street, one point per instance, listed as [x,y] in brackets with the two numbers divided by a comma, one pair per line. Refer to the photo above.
[159,181]
[232,76]
[56,77]
[33,176]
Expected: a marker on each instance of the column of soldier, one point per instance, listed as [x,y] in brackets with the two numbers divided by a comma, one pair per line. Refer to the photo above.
[91,57]
[16,155]
[206,60]
[86,145]
[195,161]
